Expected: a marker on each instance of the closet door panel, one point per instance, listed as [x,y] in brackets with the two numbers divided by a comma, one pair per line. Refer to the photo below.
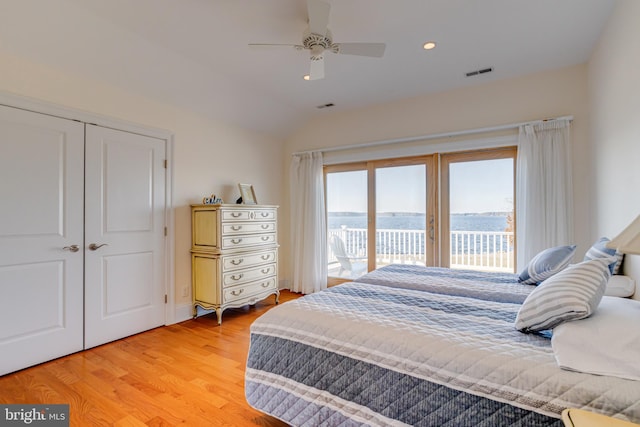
[41,225]
[124,279]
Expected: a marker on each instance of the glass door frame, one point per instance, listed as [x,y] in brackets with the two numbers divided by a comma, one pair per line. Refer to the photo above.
[431,208]
[447,159]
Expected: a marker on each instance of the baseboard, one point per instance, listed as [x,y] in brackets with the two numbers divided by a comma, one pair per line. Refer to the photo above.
[284,284]
[183,312]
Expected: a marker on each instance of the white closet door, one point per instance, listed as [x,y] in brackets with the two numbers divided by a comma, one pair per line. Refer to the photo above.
[41,214]
[124,212]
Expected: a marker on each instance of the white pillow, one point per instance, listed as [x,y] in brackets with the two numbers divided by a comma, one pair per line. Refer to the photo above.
[607,343]
[620,286]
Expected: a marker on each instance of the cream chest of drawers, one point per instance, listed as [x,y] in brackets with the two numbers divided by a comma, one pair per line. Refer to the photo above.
[234,255]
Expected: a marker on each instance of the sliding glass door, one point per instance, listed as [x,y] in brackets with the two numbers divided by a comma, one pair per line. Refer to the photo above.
[401,215]
[379,213]
[409,211]
[347,219]
[478,210]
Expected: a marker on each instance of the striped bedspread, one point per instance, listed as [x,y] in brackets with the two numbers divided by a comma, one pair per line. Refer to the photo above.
[501,287]
[366,354]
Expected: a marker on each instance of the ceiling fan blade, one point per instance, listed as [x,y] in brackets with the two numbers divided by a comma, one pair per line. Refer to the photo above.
[267,45]
[318,11]
[361,49]
[317,69]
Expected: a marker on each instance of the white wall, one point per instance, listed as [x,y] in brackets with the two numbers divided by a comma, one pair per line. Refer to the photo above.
[614,100]
[550,94]
[212,157]
[209,156]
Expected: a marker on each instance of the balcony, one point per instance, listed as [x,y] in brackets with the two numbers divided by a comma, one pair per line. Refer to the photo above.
[476,250]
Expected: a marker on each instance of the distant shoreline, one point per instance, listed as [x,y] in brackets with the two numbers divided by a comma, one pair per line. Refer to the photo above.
[351,214]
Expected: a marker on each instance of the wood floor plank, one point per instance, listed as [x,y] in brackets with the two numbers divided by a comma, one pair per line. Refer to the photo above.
[189,374]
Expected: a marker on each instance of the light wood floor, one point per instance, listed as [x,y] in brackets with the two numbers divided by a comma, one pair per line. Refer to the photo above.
[190,374]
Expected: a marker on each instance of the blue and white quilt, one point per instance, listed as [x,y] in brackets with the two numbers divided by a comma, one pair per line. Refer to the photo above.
[416,354]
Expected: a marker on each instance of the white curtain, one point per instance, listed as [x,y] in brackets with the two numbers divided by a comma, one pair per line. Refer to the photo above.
[308,224]
[544,190]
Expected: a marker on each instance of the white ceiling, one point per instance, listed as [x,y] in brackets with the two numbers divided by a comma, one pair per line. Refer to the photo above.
[195,54]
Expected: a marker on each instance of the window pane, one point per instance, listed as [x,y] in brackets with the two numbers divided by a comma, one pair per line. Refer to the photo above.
[347,223]
[400,215]
[481,213]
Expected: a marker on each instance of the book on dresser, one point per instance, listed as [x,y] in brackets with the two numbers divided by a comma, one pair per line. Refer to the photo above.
[234,255]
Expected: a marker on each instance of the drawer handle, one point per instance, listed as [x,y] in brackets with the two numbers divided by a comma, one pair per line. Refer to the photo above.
[265,238]
[236,214]
[265,257]
[265,270]
[236,241]
[238,277]
[235,293]
[264,214]
[264,226]
[237,261]
[236,227]
[265,284]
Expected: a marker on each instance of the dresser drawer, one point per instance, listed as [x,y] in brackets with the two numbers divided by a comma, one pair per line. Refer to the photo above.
[242,241]
[236,215]
[234,262]
[247,227]
[264,214]
[247,290]
[233,278]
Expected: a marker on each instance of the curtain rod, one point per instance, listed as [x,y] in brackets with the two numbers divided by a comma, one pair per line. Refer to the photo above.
[432,136]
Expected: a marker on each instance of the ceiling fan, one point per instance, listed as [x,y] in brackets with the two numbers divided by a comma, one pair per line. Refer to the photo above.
[317,39]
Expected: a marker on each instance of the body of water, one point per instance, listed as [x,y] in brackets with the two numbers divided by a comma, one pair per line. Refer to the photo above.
[459,222]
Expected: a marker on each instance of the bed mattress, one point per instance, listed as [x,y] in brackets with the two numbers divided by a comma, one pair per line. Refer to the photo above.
[372,354]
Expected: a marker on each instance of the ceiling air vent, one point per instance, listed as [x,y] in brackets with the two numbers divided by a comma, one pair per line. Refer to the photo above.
[478,72]
[331,104]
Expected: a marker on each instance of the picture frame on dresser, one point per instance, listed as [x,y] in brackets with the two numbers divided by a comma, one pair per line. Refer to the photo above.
[248,194]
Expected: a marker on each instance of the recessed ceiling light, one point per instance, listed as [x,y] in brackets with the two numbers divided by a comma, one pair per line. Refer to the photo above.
[306,77]
[429,45]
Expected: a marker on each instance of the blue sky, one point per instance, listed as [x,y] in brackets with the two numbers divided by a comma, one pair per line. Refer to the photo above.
[479,186]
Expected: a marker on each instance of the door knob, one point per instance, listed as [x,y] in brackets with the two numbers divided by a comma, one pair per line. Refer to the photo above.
[94,246]
[72,248]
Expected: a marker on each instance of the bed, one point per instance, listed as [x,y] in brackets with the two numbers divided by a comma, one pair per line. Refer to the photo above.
[409,345]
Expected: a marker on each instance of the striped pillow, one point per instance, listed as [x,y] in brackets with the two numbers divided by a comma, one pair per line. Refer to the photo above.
[600,250]
[572,294]
[546,264]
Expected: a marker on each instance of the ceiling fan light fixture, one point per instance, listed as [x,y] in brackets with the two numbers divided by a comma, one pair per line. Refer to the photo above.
[306,77]
[429,45]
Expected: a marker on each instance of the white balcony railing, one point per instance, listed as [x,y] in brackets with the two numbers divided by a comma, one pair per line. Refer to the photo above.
[482,250]
[479,250]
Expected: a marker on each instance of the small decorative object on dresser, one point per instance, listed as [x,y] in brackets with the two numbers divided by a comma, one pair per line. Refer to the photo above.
[234,255]
[247,194]
[212,200]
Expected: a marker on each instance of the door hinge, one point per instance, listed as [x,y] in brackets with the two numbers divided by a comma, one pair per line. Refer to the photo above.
[165,298]
[165,231]
[165,163]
